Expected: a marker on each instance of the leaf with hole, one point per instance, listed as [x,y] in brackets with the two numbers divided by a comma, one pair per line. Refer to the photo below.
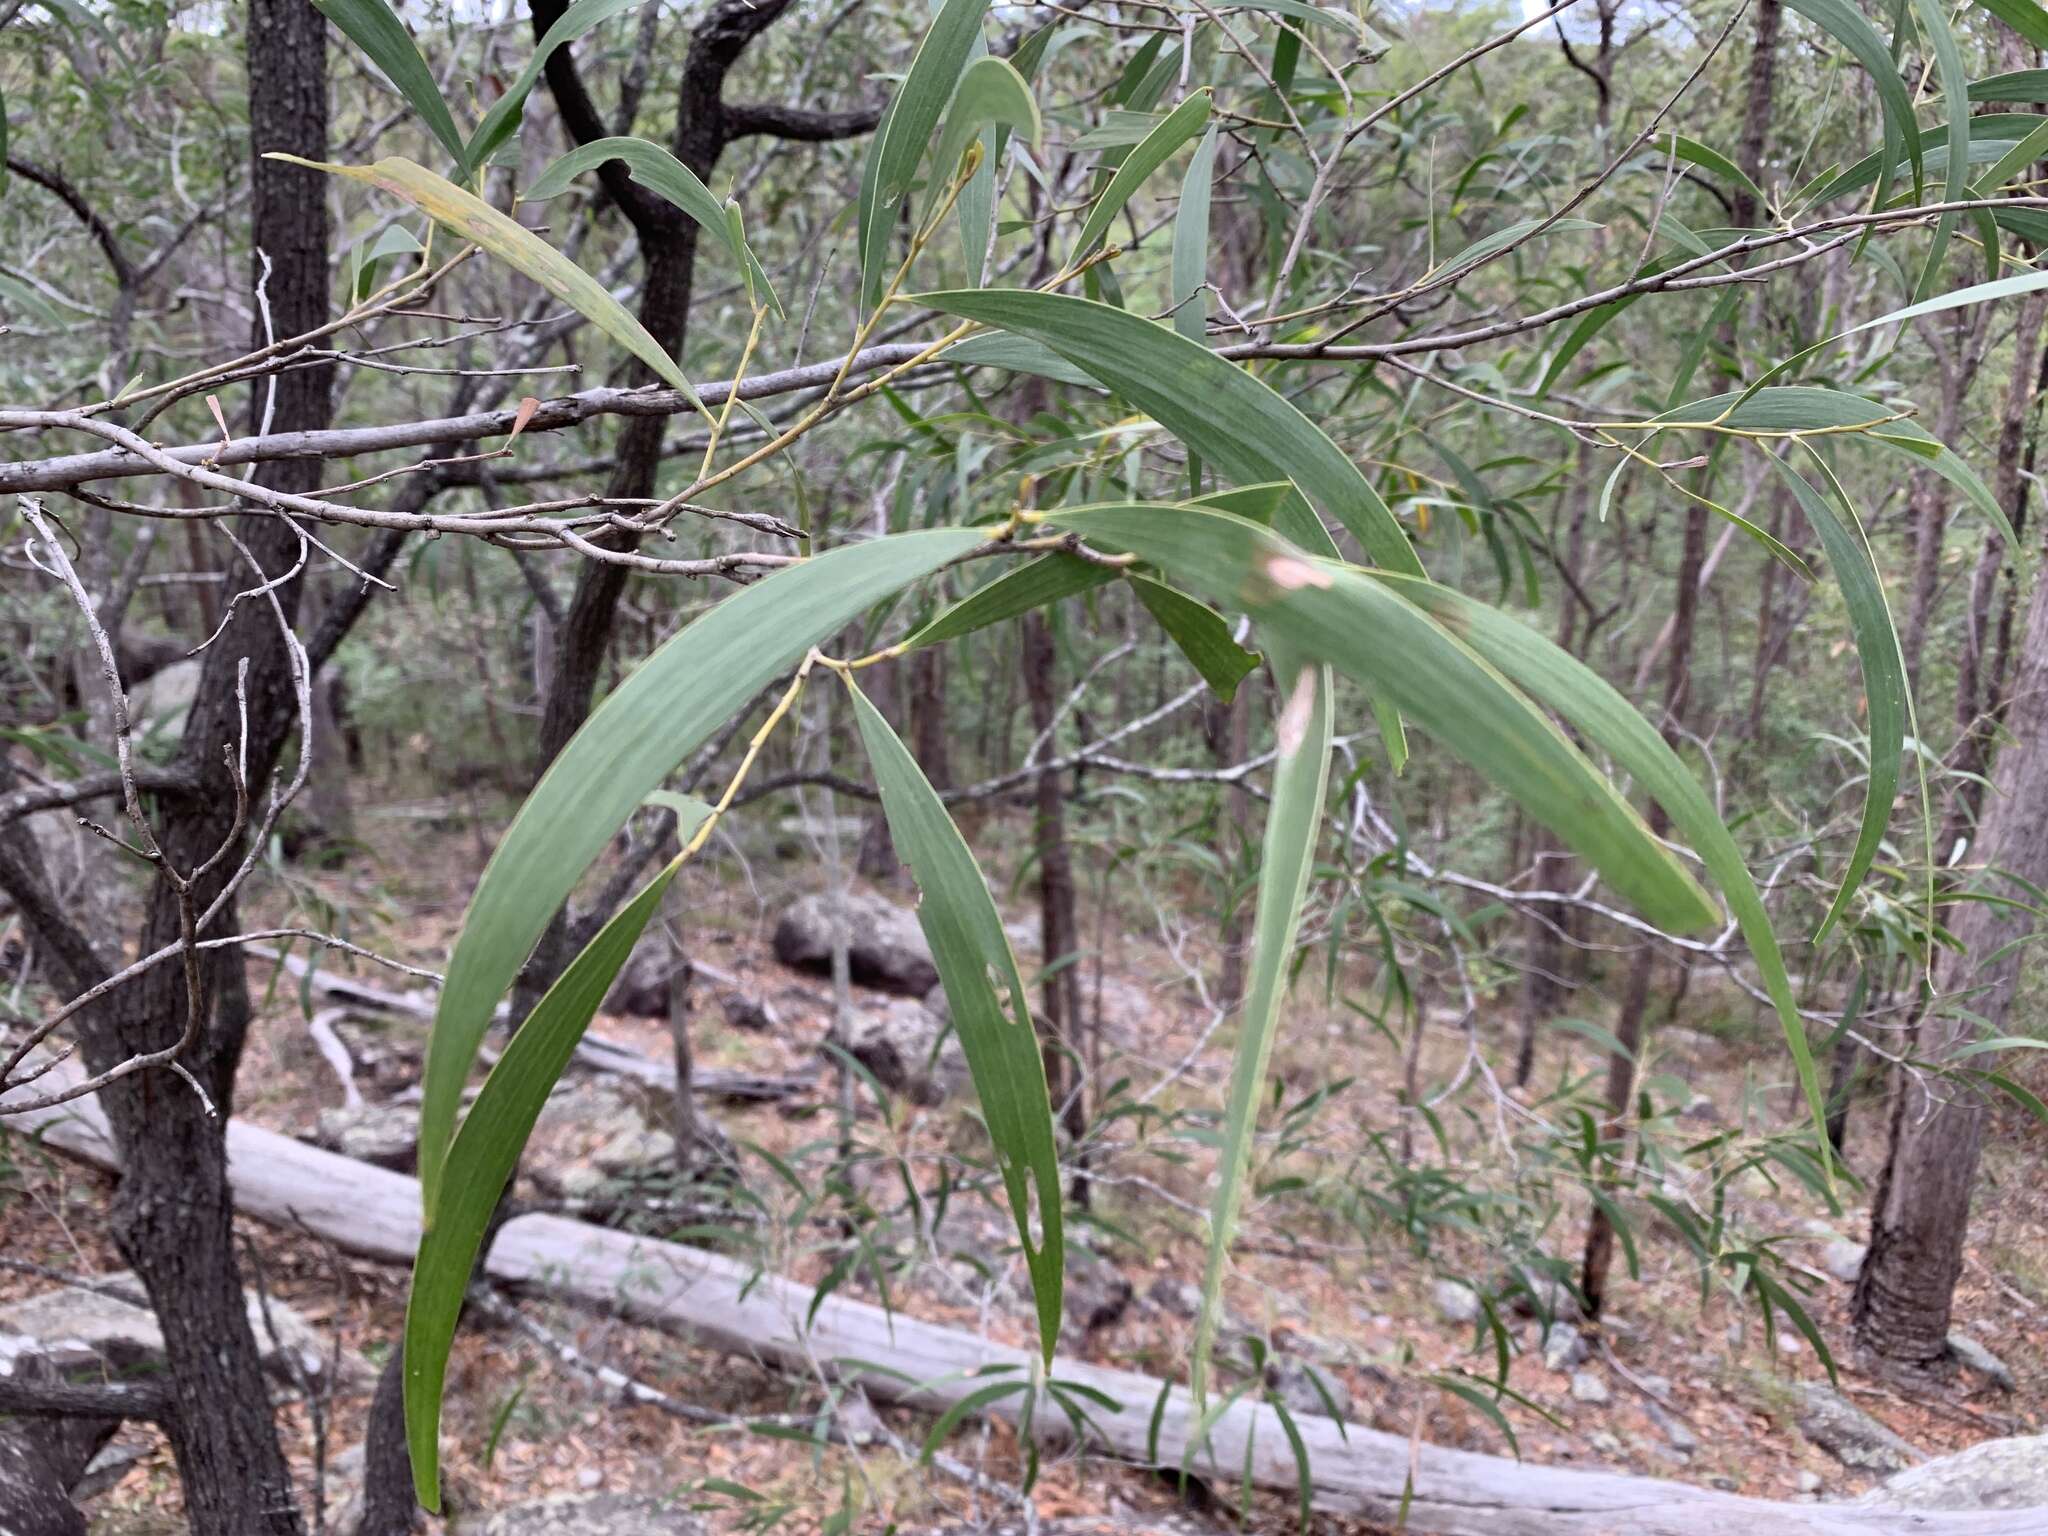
[985,994]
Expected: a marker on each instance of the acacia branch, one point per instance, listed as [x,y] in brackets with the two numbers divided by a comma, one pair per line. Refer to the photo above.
[752,118]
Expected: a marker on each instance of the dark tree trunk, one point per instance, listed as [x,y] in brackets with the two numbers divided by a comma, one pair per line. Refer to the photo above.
[1977,682]
[931,735]
[1229,730]
[172,1216]
[705,125]
[1921,1211]
[1628,1027]
[1060,994]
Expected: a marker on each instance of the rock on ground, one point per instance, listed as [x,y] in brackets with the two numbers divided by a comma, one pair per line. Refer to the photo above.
[896,1043]
[387,1135]
[603,1514]
[636,1152]
[1972,1356]
[1677,1432]
[1849,1434]
[1843,1260]
[1096,1293]
[1999,1474]
[1455,1302]
[1564,1347]
[1589,1388]
[1182,1298]
[885,945]
[1307,1390]
[73,1326]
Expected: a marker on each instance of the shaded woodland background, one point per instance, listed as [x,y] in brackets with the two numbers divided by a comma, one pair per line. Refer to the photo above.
[1532,1177]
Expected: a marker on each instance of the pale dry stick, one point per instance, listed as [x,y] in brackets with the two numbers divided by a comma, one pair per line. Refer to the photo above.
[66,472]
[149,850]
[59,565]
[173,390]
[281,501]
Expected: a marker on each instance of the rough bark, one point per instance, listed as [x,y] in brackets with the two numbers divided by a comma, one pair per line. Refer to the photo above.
[1977,680]
[171,1217]
[1921,1212]
[42,1459]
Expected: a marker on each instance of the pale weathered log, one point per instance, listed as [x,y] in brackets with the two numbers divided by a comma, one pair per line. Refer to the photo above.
[594,1050]
[725,1304]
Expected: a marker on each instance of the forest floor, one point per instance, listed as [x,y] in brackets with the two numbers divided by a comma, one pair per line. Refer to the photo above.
[1341,1265]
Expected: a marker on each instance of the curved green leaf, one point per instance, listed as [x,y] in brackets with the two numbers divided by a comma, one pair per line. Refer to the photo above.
[1153,151]
[667,177]
[1955,88]
[1200,633]
[1340,614]
[375,28]
[1791,408]
[991,94]
[2024,16]
[1301,778]
[1707,158]
[470,218]
[1884,670]
[990,1007]
[1014,593]
[664,710]
[1990,135]
[1560,681]
[1846,24]
[1219,410]
[480,1163]
[906,129]
[1191,243]
[502,120]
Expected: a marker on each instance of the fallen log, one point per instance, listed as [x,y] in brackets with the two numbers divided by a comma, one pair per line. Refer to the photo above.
[724,1304]
[594,1050]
